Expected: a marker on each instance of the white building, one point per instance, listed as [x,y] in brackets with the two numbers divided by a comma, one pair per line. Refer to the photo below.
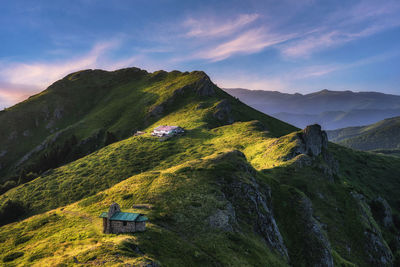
[165,130]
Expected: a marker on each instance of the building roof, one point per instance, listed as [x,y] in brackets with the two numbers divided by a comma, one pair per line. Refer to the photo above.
[125,216]
[166,128]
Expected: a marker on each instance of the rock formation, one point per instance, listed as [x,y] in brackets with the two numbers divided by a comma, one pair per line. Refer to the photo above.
[258,209]
[318,245]
[379,253]
[382,212]
[314,140]
[312,143]
[223,112]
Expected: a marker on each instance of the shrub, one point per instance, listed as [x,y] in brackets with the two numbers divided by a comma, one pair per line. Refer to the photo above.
[21,240]
[12,256]
[10,211]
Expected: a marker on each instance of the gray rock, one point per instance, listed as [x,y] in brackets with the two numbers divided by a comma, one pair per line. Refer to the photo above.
[320,250]
[27,133]
[379,253]
[310,144]
[258,211]
[315,140]
[303,160]
[204,87]
[58,113]
[382,212]
[223,219]
[3,153]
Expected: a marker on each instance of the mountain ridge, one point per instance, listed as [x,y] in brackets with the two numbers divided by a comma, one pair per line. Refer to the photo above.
[238,188]
[331,109]
[383,135]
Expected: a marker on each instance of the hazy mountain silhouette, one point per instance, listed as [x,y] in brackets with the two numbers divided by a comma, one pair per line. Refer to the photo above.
[330,109]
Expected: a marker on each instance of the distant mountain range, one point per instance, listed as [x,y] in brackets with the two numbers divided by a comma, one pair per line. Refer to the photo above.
[382,137]
[330,109]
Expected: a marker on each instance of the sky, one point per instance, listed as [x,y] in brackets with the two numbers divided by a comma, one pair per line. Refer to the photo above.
[281,45]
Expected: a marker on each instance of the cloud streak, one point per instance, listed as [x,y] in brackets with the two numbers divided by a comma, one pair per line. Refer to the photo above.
[206,27]
[342,27]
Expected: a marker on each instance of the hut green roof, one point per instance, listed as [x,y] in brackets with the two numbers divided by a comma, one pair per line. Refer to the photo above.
[125,216]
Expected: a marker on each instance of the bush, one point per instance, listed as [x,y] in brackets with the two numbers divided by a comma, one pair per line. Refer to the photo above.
[12,256]
[21,240]
[10,211]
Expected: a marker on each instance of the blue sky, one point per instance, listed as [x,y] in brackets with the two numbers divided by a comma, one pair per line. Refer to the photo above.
[285,45]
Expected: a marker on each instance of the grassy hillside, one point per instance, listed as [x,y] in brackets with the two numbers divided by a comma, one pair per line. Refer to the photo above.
[239,188]
[90,109]
[383,136]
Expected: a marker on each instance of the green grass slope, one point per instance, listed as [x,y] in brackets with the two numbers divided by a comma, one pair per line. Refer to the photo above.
[78,114]
[184,195]
[383,136]
[235,190]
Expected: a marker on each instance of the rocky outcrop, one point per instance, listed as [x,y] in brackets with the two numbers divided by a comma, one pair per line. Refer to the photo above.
[202,87]
[382,212]
[257,209]
[311,143]
[222,112]
[314,140]
[318,245]
[378,252]
[223,219]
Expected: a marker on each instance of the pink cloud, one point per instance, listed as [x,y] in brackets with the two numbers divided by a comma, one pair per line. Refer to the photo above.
[249,42]
[20,80]
[41,74]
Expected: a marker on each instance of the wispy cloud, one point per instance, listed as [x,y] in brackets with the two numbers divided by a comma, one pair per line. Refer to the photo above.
[288,81]
[341,27]
[207,27]
[249,42]
[325,69]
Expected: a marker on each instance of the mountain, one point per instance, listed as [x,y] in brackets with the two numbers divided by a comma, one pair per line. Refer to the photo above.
[330,109]
[383,136]
[83,112]
[238,188]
